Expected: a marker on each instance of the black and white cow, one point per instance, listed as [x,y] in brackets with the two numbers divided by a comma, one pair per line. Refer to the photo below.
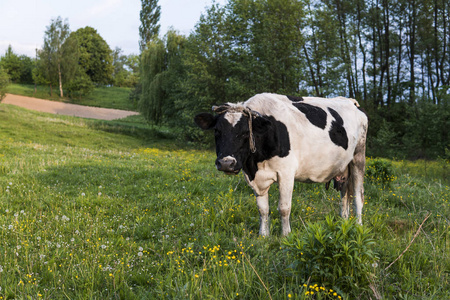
[275,138]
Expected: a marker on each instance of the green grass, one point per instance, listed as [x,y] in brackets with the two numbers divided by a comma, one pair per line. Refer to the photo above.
[42,92]
[118,210]
[107,97]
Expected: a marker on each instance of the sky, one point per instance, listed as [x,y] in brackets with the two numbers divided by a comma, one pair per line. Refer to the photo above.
[23,22]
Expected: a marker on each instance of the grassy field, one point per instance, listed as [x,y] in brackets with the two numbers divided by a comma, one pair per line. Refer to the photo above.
[116,210]
[107,97]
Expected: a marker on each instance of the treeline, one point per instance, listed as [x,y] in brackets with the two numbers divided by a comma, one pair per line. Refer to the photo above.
[73,63]
[393,56]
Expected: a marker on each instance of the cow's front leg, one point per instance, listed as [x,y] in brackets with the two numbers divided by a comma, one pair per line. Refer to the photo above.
[263,206]
[284,205]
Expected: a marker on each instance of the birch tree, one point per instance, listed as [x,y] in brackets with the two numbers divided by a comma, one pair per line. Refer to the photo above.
[55,57]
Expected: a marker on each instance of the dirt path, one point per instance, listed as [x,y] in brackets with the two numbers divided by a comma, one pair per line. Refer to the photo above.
[67,109]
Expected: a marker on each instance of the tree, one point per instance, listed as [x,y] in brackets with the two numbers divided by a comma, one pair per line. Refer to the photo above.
[18,68]
[81,85]
[54,38]
[56,58]
[149,15]
[95,56]
[4,81]
[11,65]
[160,73]
[240,49]
[321,53]
[126,69]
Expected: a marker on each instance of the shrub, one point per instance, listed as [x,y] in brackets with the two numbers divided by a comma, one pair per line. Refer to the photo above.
[4,81]
[334,254]
[380,171]
[81,86]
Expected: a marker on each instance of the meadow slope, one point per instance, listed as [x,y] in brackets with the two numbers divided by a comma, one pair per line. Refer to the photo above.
[110,210]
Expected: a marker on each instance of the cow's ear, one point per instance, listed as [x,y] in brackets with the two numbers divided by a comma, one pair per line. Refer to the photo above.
[261,125]
[205,121]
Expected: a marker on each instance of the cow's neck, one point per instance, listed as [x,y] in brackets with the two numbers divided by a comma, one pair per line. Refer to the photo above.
[273,142]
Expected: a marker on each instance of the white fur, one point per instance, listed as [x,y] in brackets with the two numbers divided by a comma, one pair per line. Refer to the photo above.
[233,118]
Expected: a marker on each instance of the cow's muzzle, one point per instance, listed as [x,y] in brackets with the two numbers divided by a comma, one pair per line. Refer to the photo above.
[227,165]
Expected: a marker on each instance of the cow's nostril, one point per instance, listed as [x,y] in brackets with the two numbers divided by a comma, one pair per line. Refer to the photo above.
[226,164]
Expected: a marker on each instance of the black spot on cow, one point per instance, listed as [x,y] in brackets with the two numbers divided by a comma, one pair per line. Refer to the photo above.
[338,134]
[271,138]
[336,116]
[295,98]
[316,115]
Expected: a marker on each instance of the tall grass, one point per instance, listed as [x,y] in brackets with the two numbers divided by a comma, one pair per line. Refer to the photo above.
[93,210]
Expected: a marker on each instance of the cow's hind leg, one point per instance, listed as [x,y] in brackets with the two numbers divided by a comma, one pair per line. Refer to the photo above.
[357,176]
[346,190]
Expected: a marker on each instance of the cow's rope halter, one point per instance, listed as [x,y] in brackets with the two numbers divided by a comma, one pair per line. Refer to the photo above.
[245,111]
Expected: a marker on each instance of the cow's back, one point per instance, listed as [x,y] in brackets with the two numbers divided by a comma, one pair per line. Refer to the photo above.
[323,132]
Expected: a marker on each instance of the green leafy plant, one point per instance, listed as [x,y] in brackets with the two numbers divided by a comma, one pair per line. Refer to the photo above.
[380,171]
[4,81]
[334,254]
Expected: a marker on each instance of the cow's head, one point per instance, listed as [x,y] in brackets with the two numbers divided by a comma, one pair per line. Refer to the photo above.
[236,129]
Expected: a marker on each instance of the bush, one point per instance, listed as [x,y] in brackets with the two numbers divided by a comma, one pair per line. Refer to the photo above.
[333,254]
[380,171]
[4,81]
[81,86]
